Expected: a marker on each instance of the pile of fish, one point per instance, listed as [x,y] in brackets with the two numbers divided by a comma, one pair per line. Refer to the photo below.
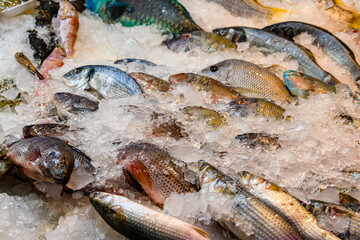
[246,206]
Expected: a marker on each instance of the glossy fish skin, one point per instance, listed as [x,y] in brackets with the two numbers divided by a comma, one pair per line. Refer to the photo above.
[136,221]
[208,117]
[255,139]
[150,84]
[219,92]
[300,84]
[45,130]
[168,15]
[109,81]
[26,63]
[244,106]
[207,41]
[285,205]
[53,61]
[68,104]
[152,170]
[274,43]
[332,46]
[263,222]
[68,26]
[143,62]
[260,82]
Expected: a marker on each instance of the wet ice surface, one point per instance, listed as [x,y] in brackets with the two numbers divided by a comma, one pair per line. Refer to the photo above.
[316,145]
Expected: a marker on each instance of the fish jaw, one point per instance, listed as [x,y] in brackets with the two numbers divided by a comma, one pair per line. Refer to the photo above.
[79,77]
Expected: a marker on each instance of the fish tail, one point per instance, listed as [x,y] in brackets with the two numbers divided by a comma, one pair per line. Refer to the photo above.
[277,13]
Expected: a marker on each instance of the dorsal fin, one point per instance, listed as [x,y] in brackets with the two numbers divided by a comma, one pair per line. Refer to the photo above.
[201,232]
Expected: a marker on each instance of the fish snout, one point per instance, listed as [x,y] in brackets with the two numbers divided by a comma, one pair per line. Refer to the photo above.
[178,78]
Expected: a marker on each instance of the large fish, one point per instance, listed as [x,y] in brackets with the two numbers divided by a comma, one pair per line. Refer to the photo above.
[274,43]
[218,91]
[208,117]
[285,205]
[168,15]
[152,170]
[109,81]
[249,79]
[252,218]
[332,46]
[136,221]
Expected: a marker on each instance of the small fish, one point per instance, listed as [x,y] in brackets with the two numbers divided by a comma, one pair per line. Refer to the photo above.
[68,26]
[241,74]
[144,63]
[53,61]
[68,104]
[300,84]
[45,130]
[273,43]
[219,92]
[168,15]
[109,81]
[165,126]
[207,41]
[253,219]
[152,170]
[336,49]
[26,63]
[136,221]
[209,117]
[285,205]
[150,84]
[255,139]
[244,106]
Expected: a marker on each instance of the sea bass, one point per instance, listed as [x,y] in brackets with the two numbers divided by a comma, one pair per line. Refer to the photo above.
[68,21]
[208,117]
[274,43]
[168,15]
[285,205]
[252,218]
[254,81]
[330,44]
[109,81]
[152,170]
[136,221]
[219,92]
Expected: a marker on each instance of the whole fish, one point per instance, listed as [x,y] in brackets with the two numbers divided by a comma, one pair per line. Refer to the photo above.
[274,43]
[68,104]
[250,212]
[300,84]
[68,21]
[109,81]
[255,139]
[165,126]
[142,62]
[219,92]
[150,84]
[209,117]
[253,80]
[152,170]
[329,215]
[207,41]
[330,44]
[26,63]
[285,205]
[168,15]
[45,130]
[136,221]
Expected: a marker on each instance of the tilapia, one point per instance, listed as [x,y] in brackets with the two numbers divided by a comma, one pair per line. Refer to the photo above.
[254,81]
[285,205]
[255,139]
[336,49]
[136,221]
[208,117]
[168,15]
[109,81]
[68,104]
[152,170]
[68,21]
[252,218]
[45,130]
[150,84]
[218,91]
[207,41]
[274,43]
[257,106]
[300,84]
[26,63]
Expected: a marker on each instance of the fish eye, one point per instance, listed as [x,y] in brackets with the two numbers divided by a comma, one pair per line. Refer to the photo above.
[214,68]
[301,74]
[187,35]
[77,71]
[242,101]
[223,32]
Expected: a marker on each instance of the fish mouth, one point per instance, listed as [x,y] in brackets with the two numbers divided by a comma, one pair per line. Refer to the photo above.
[178,78]
[62,97]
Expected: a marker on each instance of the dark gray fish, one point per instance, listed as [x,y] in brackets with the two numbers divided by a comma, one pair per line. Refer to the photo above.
[45,130]
[109,81]
[144,63]
[274,43]
[255,139]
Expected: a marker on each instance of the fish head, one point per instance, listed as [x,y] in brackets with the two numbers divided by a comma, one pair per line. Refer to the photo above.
[234,34]
[181,77]
[102,201]
[181,43]
[207,174]
[79,77]
[243,106]
[219,71]
[58,166]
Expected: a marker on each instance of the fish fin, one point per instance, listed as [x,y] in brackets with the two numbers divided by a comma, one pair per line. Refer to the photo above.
[137,175]
[35,154]
[115,10]
[82,160]
[201,232]
[278,12]
[119,211]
